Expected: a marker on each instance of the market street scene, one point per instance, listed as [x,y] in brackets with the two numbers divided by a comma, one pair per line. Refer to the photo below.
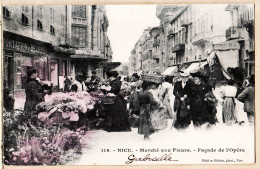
[128,84]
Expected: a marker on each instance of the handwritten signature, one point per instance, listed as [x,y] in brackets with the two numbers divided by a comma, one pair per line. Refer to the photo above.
[147,157]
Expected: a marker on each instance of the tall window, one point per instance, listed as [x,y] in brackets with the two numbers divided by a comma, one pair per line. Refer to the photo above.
[79,36]
[6,12]
[79,11]
[63,23]
[52,30]
[24,19]
[39,24]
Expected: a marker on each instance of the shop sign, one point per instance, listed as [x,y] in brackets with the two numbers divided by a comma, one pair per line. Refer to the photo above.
[23,47]
[228,45]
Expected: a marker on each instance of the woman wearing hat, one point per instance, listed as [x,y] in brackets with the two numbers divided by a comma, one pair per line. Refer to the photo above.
[199,110]
[116,115]
[147,103]
[182,102]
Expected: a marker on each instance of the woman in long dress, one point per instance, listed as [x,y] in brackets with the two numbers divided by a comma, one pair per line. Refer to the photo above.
[228,107]
[159,112]
[146,107]
[198,101]
[116,114]
[167,90]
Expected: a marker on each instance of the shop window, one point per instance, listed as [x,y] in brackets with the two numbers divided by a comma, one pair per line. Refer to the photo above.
[6,12]
[24,19]
[39,24]
[52,30]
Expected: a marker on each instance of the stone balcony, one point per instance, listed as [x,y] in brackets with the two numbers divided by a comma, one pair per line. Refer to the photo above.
[79,21]
[200,38]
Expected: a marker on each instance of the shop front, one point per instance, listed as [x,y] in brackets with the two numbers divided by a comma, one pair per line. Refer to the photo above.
[84,64]
[20,54]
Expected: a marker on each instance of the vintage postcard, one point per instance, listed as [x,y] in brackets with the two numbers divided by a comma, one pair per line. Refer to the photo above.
[132,84]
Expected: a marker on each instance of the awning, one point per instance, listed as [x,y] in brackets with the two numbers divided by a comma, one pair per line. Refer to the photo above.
[87,57]
[195,67]
[228,58]
[110,65]
[170,70]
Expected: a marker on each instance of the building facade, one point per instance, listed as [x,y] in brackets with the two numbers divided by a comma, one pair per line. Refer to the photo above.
[189,33]
[136,60]
[242,28]
[58,40]
[32,35]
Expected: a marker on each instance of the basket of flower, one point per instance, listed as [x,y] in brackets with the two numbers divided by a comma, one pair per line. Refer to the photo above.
[63,108]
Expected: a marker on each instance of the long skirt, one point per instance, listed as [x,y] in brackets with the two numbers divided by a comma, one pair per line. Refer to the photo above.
[199,112]
[228,110]
[116,116]
[159,118]
[168,105]
[145,125]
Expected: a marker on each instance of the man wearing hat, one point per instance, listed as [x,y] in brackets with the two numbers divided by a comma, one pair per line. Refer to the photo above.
[198,103]
[182,102]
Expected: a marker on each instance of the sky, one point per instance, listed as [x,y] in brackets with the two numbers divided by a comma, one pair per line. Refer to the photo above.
[126,25]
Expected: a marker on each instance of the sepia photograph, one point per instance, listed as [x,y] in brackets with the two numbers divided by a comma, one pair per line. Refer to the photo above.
[139,84]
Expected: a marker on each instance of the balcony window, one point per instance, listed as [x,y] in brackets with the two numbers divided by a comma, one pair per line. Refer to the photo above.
[52,30]
[6,12]
[25,20]
[39,25]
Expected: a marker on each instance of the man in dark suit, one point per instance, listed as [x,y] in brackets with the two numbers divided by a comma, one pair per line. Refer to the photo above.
[181,103]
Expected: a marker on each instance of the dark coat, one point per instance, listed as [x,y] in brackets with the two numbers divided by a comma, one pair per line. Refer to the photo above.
[199,109]
[180,92]
[248,98]
[183,114]
[115,86]
[67,84]
[134,102]
[34,95]
[116,114]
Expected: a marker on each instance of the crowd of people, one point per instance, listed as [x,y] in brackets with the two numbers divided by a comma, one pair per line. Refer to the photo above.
[187,99]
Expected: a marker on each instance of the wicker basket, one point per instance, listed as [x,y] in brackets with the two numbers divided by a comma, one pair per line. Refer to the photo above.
[153,78]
